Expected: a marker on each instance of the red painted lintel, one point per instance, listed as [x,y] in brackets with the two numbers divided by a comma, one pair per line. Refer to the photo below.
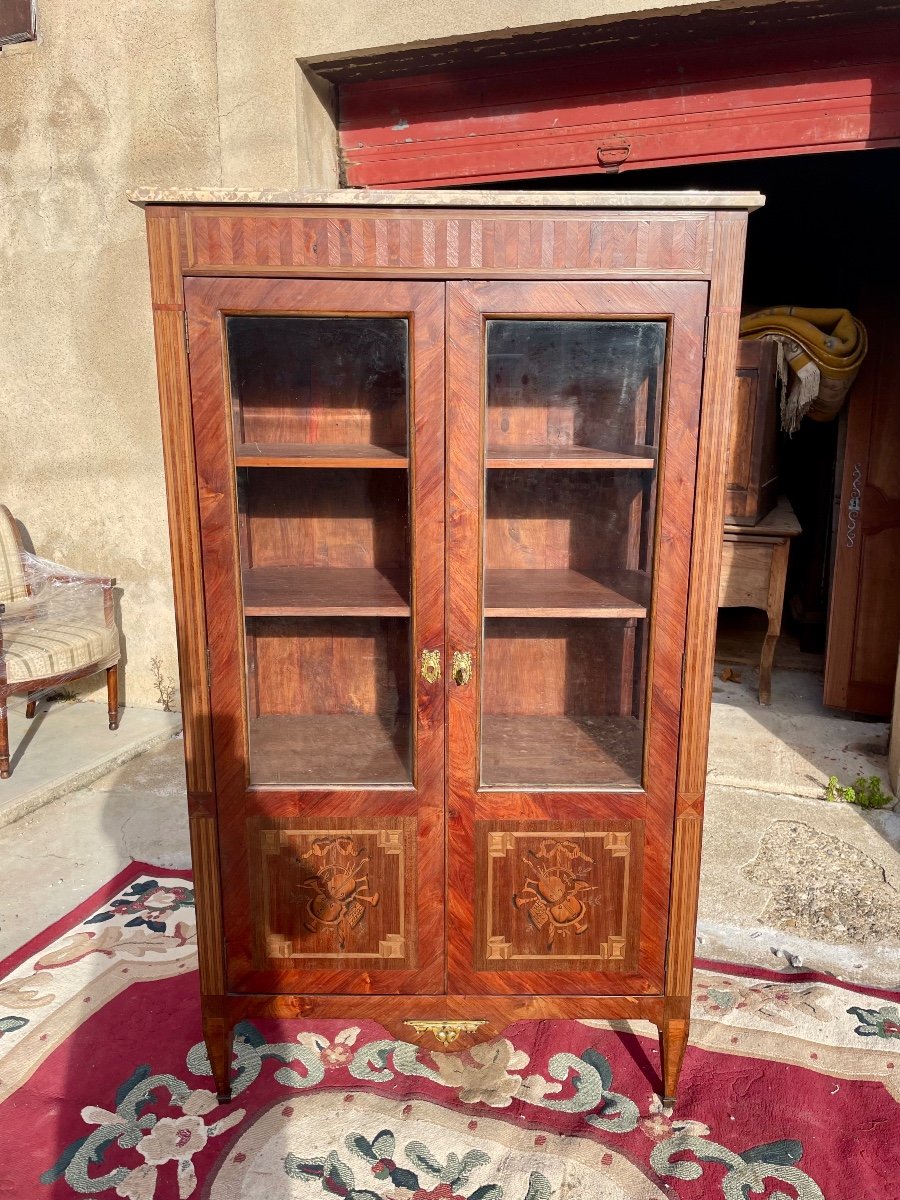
[834,92]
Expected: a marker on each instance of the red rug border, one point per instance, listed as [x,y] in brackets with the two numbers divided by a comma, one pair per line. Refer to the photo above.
[748,971]
[135,868]
[76,915]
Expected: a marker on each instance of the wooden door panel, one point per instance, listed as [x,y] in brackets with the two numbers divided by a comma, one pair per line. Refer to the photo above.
[332,886]
[352,902]
[864,607]
[557,896]
[570,883]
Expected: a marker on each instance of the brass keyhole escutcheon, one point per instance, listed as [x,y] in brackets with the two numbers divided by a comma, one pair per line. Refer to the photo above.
[430,668]
[462,667]
[446,1032]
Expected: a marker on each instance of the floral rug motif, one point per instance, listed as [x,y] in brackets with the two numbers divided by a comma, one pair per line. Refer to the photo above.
[789,1089]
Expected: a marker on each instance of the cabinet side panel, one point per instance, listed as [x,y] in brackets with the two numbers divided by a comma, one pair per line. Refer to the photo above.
[718,381]
[751,483]
[184,539]
[184,529]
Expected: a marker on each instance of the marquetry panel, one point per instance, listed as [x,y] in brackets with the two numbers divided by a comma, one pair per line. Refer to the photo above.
[464,243]
[333,892]
[556,895]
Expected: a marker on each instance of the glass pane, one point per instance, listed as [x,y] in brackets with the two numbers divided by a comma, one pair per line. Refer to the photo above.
[319,382]
[320,431]
[572,421]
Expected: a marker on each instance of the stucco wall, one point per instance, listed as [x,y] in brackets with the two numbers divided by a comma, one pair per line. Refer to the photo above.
[187,92]
[110,96]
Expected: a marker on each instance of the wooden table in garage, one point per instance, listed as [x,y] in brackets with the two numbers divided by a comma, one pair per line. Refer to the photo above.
[754,570]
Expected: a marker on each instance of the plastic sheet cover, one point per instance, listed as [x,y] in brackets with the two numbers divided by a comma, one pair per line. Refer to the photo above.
[55,623]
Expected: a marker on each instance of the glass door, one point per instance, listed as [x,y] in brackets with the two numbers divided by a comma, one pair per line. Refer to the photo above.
[320,410]
[318,426]
[567,651]
[572,433]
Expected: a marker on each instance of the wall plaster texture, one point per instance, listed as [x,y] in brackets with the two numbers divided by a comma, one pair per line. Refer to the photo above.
[160,92]
[111,95]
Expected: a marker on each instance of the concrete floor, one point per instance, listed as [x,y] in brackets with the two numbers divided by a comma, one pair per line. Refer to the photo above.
[793,745]
[55,857]
[789,878]
[786,875]
[66,746]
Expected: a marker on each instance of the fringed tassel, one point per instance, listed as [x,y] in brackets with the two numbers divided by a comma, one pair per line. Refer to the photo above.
[797,403]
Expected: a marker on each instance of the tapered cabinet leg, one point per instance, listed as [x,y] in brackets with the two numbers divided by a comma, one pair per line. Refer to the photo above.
[218,1033]
[112,695]
[673,1040]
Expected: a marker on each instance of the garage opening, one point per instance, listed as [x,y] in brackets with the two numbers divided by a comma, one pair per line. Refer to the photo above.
[825,239]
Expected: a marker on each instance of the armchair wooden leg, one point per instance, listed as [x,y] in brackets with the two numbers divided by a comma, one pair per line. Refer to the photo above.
[4,742]
[112,695]
[29,708]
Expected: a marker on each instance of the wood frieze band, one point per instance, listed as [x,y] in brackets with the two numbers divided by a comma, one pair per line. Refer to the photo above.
[449,244]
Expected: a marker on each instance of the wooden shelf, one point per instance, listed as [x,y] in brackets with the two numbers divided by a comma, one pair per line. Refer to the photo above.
[583,457]
[324,592]
[565,594]
[560,752]
[353,749]
[311,454]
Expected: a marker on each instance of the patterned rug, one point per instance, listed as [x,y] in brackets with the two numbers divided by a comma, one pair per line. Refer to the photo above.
[790,1088]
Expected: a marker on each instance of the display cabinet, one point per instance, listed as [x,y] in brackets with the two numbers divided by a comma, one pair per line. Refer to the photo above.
[445,477]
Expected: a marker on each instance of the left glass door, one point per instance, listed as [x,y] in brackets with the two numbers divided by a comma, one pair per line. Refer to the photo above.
[320,412]
[318,430]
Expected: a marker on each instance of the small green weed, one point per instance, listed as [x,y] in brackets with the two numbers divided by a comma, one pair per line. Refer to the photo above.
[865,792]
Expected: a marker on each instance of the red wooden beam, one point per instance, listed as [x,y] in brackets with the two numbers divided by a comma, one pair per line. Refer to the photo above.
[744,98]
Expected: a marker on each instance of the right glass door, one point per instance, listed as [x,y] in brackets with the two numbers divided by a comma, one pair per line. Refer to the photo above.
[566,670]
[572,433]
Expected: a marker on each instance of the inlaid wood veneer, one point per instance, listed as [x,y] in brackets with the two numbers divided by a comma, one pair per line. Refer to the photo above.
[445,481]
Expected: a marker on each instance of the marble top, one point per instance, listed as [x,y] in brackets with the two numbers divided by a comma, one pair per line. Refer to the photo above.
[450,198]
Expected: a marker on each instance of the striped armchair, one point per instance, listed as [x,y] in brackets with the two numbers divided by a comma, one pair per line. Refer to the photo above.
[55,625]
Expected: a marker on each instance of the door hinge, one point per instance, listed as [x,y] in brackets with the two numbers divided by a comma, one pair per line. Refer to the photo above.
[187,334]
[208,667]
[683,668]
[705,334]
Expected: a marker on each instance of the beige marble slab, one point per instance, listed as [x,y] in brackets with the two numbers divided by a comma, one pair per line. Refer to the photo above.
[450,198]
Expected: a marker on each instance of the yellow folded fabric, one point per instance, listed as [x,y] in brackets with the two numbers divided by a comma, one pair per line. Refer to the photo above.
[822,347]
